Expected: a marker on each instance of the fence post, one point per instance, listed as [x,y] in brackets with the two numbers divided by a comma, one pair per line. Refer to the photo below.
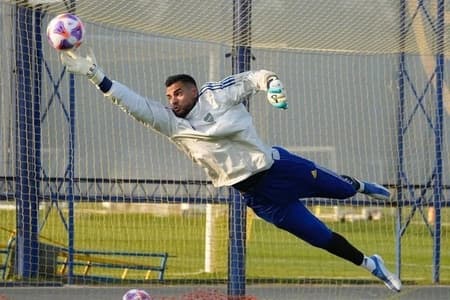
[241,57]
[27,141]
[438,131]
[236,245]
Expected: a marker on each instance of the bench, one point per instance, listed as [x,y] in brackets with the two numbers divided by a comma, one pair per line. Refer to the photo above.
[55,260]
[5,256]
[89,259]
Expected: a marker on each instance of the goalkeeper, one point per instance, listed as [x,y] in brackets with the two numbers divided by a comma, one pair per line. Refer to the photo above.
[214,128]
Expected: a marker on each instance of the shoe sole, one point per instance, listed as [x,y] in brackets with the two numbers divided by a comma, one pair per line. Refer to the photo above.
[388,283]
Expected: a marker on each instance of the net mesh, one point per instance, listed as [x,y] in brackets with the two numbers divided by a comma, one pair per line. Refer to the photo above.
[134,194]
[344,26]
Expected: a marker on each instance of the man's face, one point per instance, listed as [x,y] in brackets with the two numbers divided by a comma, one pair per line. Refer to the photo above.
[182,97]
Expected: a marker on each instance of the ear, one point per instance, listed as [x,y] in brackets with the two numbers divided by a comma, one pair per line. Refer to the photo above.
[194,90]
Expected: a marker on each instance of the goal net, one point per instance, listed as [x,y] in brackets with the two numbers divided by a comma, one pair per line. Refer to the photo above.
[114,203]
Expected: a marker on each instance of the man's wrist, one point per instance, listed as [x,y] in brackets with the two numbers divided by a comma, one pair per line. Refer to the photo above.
[270,79]
[95,74]
[91,72]
[105,85]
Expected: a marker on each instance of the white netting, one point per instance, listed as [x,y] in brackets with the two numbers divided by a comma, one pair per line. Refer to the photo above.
[347,26]
[340,62]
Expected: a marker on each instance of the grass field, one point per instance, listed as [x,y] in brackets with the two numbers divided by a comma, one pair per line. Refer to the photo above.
[271,253]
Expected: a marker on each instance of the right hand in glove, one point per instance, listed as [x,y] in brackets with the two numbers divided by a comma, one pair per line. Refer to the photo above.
[79,65]
[276,94]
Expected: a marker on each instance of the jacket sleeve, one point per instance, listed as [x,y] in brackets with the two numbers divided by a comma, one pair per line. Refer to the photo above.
[149,112]
[240,86]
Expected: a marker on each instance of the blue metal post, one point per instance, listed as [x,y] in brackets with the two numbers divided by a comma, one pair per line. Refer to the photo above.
[71,170]
[401,111]
[238,208]
[236,246]
[437,192]
[242,37]
[437,79]
[399,221]
[70,176]
[27,144]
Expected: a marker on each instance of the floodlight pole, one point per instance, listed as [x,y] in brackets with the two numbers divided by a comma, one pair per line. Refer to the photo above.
[241,57]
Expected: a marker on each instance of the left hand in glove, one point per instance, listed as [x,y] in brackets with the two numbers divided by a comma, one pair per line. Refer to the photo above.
[82,65]
[276,94]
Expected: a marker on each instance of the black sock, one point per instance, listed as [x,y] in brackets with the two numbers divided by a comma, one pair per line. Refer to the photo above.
[339,246]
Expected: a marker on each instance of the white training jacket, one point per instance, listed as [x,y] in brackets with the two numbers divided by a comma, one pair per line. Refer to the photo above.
[218,133]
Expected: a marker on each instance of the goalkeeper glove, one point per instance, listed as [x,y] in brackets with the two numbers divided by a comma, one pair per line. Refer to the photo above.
[80,65]
[275,93]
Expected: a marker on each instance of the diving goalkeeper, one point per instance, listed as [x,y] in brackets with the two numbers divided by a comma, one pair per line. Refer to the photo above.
[212,126]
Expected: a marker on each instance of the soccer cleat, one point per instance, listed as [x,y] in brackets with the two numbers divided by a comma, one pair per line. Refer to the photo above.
[389,279]
[374,190]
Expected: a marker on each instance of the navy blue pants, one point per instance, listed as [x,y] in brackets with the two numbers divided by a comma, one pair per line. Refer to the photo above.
[275,198]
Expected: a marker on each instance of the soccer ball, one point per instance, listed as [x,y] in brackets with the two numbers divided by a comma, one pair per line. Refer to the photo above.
[65,32]
[136,294]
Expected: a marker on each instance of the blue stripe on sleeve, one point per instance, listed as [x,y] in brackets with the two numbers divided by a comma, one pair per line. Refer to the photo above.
[228,81]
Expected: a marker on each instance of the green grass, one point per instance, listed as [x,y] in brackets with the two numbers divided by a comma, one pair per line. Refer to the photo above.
[271,253]
[296,259]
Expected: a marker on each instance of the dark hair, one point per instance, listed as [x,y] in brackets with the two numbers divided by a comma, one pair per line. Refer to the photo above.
[180,77]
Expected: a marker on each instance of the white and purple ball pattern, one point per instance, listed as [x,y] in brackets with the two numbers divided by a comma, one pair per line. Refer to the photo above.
[65,32]
[136,294]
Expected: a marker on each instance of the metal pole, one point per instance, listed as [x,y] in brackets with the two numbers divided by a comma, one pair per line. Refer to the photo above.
[70,176]
[438,138]
[238,209]
[71,171]
[236,250]
[400,125]
[27,143]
